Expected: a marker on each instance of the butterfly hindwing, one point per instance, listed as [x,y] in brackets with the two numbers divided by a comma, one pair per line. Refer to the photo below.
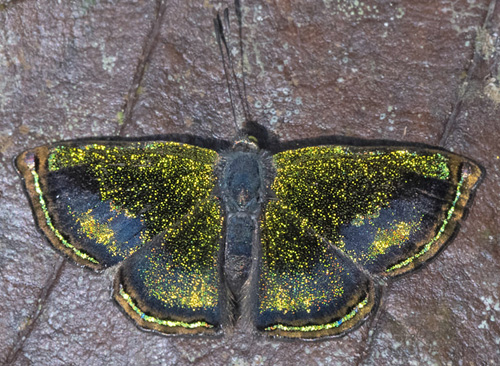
[306,288]
[344,214]
[173,284]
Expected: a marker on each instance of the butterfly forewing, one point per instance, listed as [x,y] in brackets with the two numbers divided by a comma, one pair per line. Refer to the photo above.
[99,202]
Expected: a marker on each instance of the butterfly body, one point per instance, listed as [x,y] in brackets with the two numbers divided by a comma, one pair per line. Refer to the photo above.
[242,186]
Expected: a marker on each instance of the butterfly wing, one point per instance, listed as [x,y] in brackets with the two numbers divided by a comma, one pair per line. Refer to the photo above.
[352,213]
[99,202]
[151,202]
[306,288]
[172,284]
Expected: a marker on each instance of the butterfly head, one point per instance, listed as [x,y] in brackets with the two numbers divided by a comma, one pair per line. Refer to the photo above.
[246,144]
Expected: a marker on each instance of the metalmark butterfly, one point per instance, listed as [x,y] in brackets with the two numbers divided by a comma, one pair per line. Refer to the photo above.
[294,238]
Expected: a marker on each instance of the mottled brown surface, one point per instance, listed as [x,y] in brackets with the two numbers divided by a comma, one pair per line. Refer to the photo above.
[425,71]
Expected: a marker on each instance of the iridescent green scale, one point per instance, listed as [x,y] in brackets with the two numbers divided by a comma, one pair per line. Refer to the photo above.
[301,237]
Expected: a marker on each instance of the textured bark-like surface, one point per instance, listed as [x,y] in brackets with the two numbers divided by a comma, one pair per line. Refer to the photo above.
[425,71]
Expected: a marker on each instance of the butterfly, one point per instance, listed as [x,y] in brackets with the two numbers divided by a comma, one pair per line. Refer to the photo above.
[293,238]
[298,237]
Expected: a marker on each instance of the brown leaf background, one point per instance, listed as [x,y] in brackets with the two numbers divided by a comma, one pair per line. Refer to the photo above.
[425,71]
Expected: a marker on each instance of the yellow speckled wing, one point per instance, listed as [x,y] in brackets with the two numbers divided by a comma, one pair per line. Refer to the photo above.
[344,214]
[172,285]
[306,288]
[99,202]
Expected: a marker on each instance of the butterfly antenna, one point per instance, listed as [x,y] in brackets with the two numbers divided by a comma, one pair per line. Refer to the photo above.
[219,34]
[231,64]
[239,17]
